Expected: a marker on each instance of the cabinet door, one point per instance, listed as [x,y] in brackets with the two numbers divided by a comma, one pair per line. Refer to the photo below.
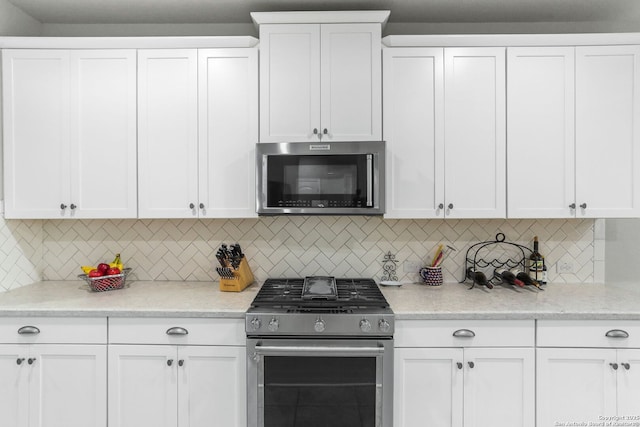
[143,386]
[540,131]
[499,387]
[351,82]
[36,132]
[68,385]
[628,382]
[575,385]
[103,134]
[228,132]
[212,387]
[474,128]
[608,131]
[289,82]
[414,131]
[14,372]
[168,133]
[428,387]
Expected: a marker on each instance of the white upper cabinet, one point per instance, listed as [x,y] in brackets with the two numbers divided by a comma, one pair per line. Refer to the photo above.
[475,136]
[414,131]
[228,131]
[608,131]
[320,82]
[445,130]
[540,132]
[567,161]
[69,133]
[168,133]
[198,119]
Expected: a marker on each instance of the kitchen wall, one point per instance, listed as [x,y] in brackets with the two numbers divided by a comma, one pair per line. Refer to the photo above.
[294,246]
[247,29]
[14,22]
[623,250]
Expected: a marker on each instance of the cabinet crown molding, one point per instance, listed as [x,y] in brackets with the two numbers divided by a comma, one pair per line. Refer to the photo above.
[322,17]
[511,40]
[186,42]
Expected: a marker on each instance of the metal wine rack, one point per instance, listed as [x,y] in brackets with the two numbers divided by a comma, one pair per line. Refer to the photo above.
[492,254]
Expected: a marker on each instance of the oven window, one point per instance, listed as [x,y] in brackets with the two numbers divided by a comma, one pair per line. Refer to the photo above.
[296,179]
[319,391]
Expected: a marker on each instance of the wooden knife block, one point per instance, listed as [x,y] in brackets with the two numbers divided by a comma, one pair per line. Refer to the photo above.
[243,277]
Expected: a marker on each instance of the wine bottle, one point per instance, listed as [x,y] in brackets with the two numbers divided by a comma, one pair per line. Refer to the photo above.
[525,278]
[543,280]
[536,262]
[508,277]
[478,277]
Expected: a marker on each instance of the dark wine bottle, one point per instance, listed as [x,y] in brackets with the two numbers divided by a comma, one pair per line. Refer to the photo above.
[508,277]
[536,262]
[478,277]
[525,278]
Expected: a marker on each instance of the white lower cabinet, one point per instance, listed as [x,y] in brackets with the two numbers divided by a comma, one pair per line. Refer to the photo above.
[187,373]
[472,374]
[53,384]
[587,372]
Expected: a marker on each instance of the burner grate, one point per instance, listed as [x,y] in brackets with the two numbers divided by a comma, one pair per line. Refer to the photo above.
[351,294]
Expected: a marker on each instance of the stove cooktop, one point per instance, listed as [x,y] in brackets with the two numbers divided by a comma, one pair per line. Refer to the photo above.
[319,305]
[319,292]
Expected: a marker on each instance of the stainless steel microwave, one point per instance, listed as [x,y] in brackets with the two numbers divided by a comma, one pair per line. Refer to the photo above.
[337,178]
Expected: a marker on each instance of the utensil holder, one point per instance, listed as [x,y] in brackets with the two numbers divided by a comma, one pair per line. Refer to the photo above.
[431,276]
[242,277]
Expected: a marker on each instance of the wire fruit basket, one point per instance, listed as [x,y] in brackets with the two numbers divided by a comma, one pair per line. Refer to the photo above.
[107,283]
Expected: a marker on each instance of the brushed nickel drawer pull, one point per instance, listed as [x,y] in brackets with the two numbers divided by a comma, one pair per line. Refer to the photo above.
[464,333]
[28,330]
[617,333]
[177,330]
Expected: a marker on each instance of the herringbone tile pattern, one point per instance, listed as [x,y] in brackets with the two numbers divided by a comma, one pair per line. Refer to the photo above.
[298,246]
[20,253]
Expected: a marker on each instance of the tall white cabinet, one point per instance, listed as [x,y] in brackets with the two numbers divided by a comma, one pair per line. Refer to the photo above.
[573,119]
[69,133]
[444,113]
[198,126]
[320,76]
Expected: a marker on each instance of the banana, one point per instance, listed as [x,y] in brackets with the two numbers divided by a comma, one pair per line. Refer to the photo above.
[87,268]
[117,262]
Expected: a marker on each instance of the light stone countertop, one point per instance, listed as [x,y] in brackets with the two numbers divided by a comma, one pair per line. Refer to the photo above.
[136,299]
[556,301]
[409,301]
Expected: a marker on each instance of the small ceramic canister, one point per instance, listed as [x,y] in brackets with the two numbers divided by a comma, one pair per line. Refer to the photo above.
[431,276]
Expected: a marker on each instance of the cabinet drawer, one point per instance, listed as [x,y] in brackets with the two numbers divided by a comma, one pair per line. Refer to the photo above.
[55,330]
[460,333]
[588,333]
[180,331]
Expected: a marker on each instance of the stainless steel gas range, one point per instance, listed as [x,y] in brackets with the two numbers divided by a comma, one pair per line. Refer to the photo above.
[320,353]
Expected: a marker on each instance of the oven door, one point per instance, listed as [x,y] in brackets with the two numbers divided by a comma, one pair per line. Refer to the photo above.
[319,382]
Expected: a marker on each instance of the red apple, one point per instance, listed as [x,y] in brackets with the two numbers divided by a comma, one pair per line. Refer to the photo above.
[95,273]
[102,268]
[112,271]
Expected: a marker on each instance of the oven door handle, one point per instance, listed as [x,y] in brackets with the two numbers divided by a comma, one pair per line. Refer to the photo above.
[272,350]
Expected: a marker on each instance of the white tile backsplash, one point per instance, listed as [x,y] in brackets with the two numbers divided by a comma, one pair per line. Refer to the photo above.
[300,245]
[183,249]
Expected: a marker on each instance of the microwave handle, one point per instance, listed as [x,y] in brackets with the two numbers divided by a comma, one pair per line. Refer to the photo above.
[369,180]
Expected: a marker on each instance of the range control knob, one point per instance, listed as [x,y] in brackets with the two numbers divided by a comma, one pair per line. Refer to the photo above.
[365,325]
[384,325]
[273,325]
[255,324]
[319,326]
